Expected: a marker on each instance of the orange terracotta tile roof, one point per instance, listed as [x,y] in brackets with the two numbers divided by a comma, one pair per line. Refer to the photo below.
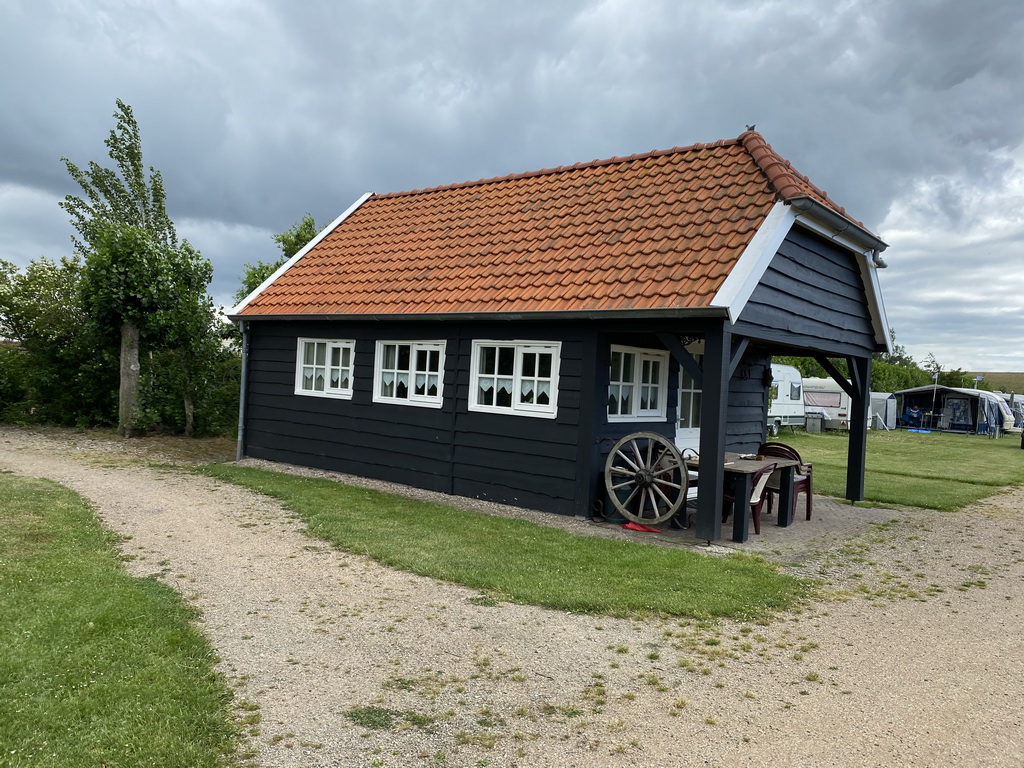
[654,231]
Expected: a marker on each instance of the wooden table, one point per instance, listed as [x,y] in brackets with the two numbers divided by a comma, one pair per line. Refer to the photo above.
[740,470]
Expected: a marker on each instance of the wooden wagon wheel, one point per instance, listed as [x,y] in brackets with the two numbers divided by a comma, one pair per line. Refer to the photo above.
[646,478]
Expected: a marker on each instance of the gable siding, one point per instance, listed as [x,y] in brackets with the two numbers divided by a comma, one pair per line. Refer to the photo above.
[812,297]
[512,459]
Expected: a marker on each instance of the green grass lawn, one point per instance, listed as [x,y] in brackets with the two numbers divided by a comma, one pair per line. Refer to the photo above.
[942,471]
[97,668]
[523,562]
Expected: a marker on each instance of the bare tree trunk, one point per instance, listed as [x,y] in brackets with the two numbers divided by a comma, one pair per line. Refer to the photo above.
[190,416]
[128,396]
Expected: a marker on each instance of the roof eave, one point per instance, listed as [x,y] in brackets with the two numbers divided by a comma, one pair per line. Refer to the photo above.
[233,312]
[673,313]
[839,226]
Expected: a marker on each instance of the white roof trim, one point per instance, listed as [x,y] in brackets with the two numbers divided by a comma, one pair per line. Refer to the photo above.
[754,261]
[875,304]
[284,267]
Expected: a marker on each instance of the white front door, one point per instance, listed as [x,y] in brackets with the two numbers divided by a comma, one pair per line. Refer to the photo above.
[688,424]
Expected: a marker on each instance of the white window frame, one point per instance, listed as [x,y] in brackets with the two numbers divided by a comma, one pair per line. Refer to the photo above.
[342,346]
[642,356]
[520,350]
[415,347]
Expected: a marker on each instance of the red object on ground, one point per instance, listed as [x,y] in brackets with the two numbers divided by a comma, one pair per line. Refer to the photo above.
[638,527]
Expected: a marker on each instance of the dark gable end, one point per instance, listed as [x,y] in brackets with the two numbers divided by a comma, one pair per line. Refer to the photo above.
[811,297]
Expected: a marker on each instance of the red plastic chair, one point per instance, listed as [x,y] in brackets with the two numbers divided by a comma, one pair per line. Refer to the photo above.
[802,475]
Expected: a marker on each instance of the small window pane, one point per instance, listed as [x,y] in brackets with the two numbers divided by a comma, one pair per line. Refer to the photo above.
[488,358]
[506,361]
[390,355]
[628,363]
[530,364]
[404,355]
[545,364]
[616,372]
[504,393]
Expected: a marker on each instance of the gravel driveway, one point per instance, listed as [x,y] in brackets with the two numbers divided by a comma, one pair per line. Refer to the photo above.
[914,658]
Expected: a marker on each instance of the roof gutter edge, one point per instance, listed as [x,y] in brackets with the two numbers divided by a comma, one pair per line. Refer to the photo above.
[458,317]
[841,225]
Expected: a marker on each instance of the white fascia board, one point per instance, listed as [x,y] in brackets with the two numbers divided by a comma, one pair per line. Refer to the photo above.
[754,261]
[875,304]
[308,247]
[869,274]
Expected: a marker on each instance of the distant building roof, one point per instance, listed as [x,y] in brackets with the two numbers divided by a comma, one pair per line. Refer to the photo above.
[654,231]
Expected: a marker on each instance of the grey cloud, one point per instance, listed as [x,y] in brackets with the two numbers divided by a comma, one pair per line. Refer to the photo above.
[908,113]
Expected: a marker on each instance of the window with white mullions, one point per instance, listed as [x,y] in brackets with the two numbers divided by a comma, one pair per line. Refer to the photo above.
[637,384]
[324,367]
[409,373]
[518,377]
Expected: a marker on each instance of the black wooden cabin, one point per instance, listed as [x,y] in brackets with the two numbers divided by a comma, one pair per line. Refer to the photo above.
[378,350]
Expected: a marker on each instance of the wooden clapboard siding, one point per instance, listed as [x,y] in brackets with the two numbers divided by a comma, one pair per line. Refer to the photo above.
[811,297]
[507,458]
[747,412]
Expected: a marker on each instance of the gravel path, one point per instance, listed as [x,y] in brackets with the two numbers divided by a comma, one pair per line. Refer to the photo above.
[914,660]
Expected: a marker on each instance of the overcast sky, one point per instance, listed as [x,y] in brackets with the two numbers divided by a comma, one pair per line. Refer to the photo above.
[910,113]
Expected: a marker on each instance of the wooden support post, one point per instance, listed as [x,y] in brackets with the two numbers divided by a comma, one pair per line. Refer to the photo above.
[860,407]
[714,401]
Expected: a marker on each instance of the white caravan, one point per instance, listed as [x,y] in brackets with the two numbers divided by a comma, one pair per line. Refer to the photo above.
[785,399]
[826,398]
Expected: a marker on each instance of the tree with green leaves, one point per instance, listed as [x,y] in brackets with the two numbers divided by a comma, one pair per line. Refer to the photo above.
[51,368]
[291,241]
[137,280]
